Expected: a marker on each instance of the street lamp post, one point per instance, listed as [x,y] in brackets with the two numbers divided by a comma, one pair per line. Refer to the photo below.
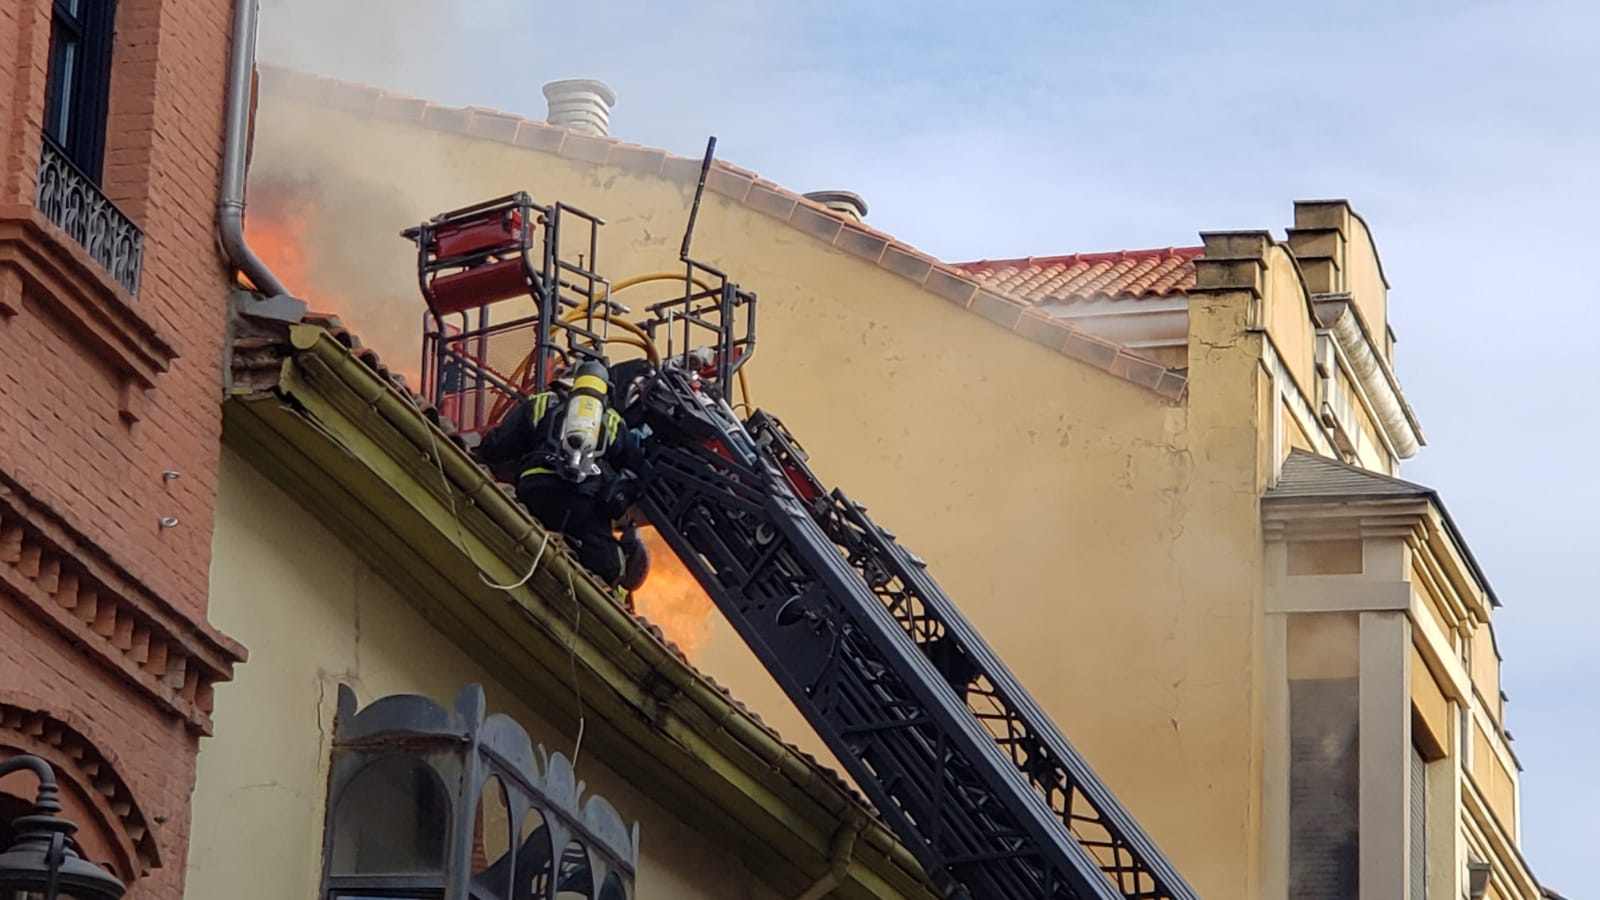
[40,864]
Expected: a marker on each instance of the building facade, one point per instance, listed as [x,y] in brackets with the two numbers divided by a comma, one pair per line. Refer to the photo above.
[111,317]
[1159,482]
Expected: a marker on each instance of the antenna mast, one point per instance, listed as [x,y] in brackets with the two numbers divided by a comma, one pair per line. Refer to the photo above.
[699,191]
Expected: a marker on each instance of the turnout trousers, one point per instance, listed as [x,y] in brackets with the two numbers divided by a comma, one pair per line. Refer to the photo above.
[578,516]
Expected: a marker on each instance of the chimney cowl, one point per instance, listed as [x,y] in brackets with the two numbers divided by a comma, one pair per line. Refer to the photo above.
[581,104]
[842,202]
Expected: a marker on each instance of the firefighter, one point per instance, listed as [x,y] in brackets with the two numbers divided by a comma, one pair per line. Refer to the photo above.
[575,455]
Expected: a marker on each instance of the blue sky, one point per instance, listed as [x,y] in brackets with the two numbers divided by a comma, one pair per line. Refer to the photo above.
[1465,133]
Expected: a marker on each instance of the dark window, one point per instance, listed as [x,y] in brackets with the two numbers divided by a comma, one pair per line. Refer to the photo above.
[391,819]
[80,81]
[1324,789]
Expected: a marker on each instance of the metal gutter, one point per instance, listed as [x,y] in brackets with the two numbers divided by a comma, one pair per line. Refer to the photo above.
[235,148]
[693,697]
[842,845]
[1373,374]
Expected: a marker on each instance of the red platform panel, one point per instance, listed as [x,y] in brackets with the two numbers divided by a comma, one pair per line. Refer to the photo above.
[472,288]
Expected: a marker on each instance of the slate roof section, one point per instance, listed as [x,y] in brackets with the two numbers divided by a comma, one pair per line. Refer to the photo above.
[746,188]
[1309,478]
[1119,275]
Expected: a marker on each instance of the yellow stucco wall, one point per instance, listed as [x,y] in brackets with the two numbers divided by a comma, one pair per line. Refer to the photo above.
[1059,505]
[1287,318]
[313,616]
[1363,278]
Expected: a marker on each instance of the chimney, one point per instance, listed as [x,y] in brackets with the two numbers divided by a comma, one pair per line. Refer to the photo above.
[581,104]
[841,202]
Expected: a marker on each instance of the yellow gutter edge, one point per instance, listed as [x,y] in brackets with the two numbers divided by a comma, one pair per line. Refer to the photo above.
[465,476]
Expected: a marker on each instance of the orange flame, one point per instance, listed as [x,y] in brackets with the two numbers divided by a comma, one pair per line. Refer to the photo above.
[286,227]
[672,599]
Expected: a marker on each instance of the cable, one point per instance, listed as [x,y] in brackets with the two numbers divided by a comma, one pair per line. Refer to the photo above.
[572,657]
[455,514]
[572,592]
[524,579]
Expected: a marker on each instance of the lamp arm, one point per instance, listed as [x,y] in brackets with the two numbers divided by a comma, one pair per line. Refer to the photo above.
[47,801]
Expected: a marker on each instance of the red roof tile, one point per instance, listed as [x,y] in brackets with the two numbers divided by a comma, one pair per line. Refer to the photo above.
[955,284]
[1120,275]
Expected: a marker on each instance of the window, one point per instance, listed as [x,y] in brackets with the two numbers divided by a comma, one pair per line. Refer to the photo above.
[80,81]
[391,819]
[1324,788]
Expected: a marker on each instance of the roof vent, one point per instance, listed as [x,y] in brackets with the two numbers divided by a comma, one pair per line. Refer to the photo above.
[841,202]
[581,104]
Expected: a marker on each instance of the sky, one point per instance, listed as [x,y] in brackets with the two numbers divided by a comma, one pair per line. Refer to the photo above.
[1464,133]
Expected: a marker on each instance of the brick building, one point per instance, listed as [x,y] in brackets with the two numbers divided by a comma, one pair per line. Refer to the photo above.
[112,295]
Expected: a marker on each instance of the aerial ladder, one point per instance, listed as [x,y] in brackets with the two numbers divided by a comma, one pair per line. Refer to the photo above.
[960,762]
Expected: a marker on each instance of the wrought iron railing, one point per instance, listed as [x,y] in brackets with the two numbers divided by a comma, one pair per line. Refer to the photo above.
[71,200]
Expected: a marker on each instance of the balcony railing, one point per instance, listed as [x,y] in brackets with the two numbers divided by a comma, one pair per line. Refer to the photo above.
[70,199]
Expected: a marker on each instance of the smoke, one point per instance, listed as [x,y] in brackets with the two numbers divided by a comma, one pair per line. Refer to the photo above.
[327,220]
[398,44]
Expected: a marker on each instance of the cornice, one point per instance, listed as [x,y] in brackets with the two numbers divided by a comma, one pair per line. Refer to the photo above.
[1344,518]
[120,622]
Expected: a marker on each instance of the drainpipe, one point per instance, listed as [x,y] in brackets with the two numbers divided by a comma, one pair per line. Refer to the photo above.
[236,142]
[839,853]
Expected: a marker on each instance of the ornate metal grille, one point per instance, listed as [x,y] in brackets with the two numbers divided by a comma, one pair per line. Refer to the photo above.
[71,200]
[430,803]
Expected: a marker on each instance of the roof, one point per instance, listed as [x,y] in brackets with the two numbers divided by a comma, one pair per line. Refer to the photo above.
[1310,478]
[1118,275]
[745,188]
[288,386]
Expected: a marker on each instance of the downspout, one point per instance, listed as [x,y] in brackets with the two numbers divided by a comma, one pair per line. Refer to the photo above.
[839,854]
[236,144]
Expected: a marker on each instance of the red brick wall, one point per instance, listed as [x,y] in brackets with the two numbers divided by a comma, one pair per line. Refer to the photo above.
[65,435]
[153,756]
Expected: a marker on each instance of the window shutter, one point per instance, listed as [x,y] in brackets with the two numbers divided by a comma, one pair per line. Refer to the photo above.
[1419,826]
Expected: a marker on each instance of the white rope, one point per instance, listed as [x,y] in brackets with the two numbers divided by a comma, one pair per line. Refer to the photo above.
[577,618]
[455,513]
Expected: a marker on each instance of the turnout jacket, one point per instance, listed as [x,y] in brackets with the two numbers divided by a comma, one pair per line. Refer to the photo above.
[530,435]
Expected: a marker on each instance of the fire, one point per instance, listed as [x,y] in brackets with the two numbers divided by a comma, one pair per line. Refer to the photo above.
[270,230]
[672,599]
[288,228]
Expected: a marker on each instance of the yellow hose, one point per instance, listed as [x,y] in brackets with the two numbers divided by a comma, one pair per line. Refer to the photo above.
[744,391]
[641,339]
[626,283]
